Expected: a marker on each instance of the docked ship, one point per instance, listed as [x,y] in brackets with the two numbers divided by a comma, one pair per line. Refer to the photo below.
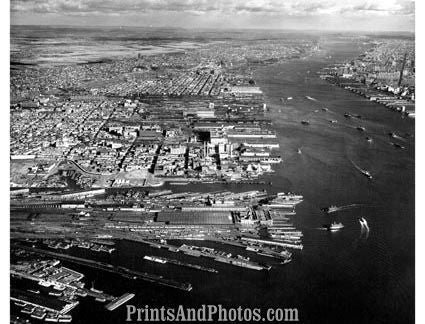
[117,302]
[38,313]
[333,227]
[65,319]
[271,160]
[285,200]
[155,259]
[289,195]
[51,317]
[224,257]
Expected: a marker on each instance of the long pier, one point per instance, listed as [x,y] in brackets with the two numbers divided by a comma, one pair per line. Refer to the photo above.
[127,273]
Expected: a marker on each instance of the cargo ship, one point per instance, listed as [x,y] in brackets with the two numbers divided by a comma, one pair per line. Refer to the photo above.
[242,263]
[225,257]
[189,265]
[117,302]
[285,200]
[289,195]
[155,259]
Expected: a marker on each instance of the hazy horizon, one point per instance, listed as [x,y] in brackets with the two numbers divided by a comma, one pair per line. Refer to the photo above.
[325,15]
[221,28]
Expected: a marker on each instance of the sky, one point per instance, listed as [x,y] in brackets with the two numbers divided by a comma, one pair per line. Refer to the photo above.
[362,15]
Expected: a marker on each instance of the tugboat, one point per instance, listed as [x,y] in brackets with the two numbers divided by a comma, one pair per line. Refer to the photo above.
[366,173]
[333,227]
[396,145]
[363,222]
[305,122]
[330,209]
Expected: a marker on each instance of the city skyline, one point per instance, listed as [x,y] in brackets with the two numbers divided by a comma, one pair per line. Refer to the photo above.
[261,14]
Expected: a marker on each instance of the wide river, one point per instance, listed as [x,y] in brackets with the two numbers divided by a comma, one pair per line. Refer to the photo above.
[351,276]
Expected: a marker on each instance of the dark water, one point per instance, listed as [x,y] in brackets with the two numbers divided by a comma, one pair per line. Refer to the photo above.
[344,277]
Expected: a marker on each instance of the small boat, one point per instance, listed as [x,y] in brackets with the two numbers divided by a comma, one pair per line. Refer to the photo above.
[333,121]
[65,319]
[369,139]
[347,115]
[397,145]
[305,122]
[360,128]
[363,222]
[366,173]
[325,109]
[299,151]
[333,227]
[96,290]
[51,317]
[330,209]
[289,98]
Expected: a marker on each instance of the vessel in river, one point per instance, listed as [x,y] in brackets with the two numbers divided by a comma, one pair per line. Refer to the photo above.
[333,227]
[330,209]
[366,173]
[363,223]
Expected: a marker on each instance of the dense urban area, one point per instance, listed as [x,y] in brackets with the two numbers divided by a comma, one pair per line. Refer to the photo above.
[97,148]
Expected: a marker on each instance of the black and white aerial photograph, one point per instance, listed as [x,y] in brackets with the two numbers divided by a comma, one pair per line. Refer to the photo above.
[210,161]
